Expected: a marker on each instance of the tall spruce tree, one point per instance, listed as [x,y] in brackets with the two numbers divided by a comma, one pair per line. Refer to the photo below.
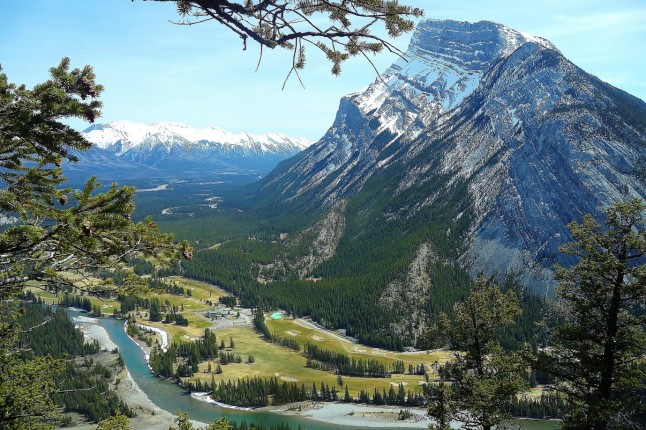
[483,376]
[56,236]
[599,351]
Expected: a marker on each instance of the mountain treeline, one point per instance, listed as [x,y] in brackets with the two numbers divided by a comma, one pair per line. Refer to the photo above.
[84,389]
[370,256]
[259,392]
[46,332]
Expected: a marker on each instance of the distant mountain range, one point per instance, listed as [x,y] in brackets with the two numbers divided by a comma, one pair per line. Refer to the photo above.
[125,150]
[474,151]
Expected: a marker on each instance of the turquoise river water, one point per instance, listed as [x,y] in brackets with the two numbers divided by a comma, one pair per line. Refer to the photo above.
[173,398]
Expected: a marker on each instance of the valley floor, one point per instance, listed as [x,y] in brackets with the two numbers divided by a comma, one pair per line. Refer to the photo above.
[270,360]
[152,417]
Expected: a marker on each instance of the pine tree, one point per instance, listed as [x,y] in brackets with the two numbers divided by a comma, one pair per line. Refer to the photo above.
[441,407]
[598,352]
[56,233]
[118,422]
[315,394]
[483,375]
[346,396]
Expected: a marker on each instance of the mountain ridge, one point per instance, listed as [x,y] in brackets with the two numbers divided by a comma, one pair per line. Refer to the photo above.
[177,147]
[539,142]
[470,161]
[105,135]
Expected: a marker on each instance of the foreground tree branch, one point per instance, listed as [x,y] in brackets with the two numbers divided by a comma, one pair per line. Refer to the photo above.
[288,23]
[56,236]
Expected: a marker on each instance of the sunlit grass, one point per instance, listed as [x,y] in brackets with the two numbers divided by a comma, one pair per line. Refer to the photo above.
[293,329]
[272,360]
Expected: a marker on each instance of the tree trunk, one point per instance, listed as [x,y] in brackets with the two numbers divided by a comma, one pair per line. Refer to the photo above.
[610,346]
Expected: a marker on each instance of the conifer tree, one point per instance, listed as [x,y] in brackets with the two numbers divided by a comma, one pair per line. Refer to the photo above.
[599,350]
[118,422]
[441,408]
[483,375]
[182,421]
[293,25]
[346,396]
[56,235]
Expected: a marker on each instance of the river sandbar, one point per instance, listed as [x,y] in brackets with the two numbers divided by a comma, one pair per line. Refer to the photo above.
[349,414]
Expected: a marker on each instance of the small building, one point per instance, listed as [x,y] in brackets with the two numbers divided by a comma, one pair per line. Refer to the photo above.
[217,312]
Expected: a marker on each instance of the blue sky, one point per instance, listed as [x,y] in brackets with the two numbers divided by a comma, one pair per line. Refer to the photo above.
[156,71]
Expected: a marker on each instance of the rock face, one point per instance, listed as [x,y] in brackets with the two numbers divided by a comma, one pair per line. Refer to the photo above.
[307,250]
[534,141]
[168,145]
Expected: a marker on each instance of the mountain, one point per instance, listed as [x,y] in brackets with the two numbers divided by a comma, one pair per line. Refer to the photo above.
[536,141]
[444,64]
[178,148]
[469,155]
[107,168]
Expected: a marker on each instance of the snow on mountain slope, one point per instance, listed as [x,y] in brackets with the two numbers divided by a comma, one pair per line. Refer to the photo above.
[443,65]
[535,141]
[133,134]
[163,144]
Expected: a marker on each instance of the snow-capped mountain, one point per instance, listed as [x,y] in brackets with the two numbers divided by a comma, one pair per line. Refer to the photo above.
[486,134]
[444,64]
[169,145]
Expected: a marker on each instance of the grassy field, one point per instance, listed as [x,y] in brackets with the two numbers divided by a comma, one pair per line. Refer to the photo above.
[272,360]
[107,305]
[538,424]
[304,332]
[200,292]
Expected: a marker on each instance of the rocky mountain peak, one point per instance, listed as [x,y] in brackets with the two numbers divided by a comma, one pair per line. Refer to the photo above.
[534,142]
[443,65]
[472,47]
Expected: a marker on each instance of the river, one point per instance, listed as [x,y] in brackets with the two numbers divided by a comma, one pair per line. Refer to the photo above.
[173,398]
